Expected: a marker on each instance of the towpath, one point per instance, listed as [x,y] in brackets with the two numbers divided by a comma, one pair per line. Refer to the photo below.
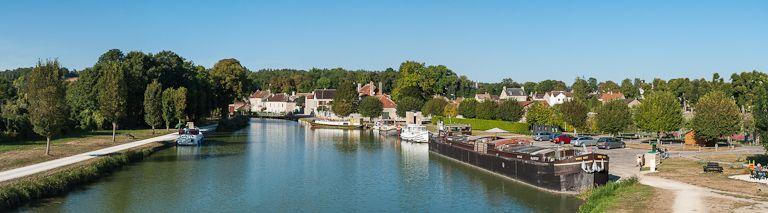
[49,165]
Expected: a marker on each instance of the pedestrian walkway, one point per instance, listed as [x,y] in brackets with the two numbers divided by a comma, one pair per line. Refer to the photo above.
[49,165]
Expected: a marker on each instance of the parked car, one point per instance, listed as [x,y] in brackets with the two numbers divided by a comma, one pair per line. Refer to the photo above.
[542,136]
[564,138]
[584,140]
[610,143]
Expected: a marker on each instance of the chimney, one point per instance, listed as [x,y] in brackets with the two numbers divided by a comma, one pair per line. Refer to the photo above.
[381,89]
[293,93]
[358,87]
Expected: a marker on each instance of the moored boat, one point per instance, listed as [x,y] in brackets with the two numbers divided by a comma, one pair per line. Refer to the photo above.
[415,133]
[189,137]
[343,124]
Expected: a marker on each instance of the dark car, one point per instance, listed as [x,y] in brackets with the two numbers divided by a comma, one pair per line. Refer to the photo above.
[610,143]
[564,139]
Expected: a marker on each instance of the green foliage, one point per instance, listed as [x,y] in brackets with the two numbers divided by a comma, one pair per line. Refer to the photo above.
[168,106]
[580,89]
[760,114]
[229,80]
[434,107]
[613,117]
[450,111]
[601,198]
[468,108]
[539,113]
[549,85]
[345,100]
[46,92]
[370,107]
[408,104]
[113,92]
[482,125]
[510,110]
[153,104]
[716,116]
[486,110]
[575,114]
[629,90]
[659,112]
[180,104]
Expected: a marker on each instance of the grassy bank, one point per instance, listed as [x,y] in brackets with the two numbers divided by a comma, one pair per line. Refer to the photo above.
[625,196]
[481,124]
[21,191]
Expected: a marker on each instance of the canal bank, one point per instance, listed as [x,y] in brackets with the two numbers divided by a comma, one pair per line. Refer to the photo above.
[276,165]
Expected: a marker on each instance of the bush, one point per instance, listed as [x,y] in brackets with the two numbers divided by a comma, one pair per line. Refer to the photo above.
[233,123]
[487,110]
[467,108]
[510,110]
[600,198]
[481,124]
[434,107]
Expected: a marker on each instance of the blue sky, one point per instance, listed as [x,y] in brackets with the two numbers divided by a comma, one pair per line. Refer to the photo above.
[485,40]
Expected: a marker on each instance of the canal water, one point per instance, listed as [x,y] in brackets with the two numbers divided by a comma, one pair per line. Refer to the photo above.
[282,166]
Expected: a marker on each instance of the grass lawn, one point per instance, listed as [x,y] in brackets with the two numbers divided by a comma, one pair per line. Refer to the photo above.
[481,124]
[23,153]
[626,196]
[689,171]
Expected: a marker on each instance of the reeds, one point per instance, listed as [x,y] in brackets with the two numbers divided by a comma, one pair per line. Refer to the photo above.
[598,199]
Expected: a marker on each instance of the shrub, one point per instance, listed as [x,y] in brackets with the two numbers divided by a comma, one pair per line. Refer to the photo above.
[467,108]
[600,198]
[487,110]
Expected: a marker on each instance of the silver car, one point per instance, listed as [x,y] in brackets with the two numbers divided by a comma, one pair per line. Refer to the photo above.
[584,140]
[610,143]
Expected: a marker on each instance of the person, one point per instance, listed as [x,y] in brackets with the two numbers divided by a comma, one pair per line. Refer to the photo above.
[638,160]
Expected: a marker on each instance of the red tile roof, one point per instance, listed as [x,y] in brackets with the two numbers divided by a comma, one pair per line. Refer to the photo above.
[369,90]
[261,94]
[386,102]
[279,97]
[605,97]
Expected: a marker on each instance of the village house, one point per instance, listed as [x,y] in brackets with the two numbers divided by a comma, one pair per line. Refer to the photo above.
[239,106]
[389,107]
[366,90]
[610,96]
[632,103]
[513,93]
[279,103]
[318,103]
[557,97]
[257,99]
[481,97]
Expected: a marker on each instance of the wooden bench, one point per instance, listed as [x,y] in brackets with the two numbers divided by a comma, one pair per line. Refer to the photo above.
[713,167]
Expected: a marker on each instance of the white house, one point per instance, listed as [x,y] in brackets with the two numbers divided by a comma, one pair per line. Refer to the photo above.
[279,103]
[257,100]
[513,93]
[319,102]
[557,97]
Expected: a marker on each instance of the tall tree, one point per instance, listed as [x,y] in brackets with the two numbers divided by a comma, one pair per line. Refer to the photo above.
[539,113]
[660,112]
[613,117]
[45,91]
[371,107]
[468,108]
[168,104]
[229,79]
[450,111]
[153,107]
[434,107]
[487,110]
[717,115]
[345,100]
[510,110]
[580,89]
[575,114]
[113,92]
[628,89]
[760,114]
[180,104]
[408,104]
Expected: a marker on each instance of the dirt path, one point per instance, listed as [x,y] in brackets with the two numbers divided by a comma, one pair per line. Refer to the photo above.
[690,198]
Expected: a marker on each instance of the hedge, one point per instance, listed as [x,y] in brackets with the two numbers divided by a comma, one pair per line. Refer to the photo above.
[481,124]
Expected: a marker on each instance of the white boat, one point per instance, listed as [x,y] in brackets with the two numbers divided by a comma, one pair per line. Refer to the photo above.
[335,124]
[415,133]
[189,137]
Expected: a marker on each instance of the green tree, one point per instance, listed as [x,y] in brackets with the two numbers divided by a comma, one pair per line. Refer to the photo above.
[510,110]
[450,111]
[153,107]
[717,115]
[580,89]
[434,107]
[575,114]
[613,117]
[628,89]
[371,107]
[180,104]
[345,100]
[539,113]
[46,92]
[760,115]
[660,112]
[230,83]
[408,104]
[487,110]
[467,108]
[169,113]
[112,93]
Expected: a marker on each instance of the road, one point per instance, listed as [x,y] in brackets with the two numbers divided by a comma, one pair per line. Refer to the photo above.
[49,165]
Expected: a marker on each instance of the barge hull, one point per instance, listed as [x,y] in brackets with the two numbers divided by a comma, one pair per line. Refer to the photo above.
[561,178]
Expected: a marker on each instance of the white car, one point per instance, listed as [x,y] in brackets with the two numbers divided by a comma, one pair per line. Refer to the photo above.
[584,140]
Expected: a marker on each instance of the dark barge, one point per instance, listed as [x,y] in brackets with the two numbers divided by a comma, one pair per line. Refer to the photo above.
[554,169]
